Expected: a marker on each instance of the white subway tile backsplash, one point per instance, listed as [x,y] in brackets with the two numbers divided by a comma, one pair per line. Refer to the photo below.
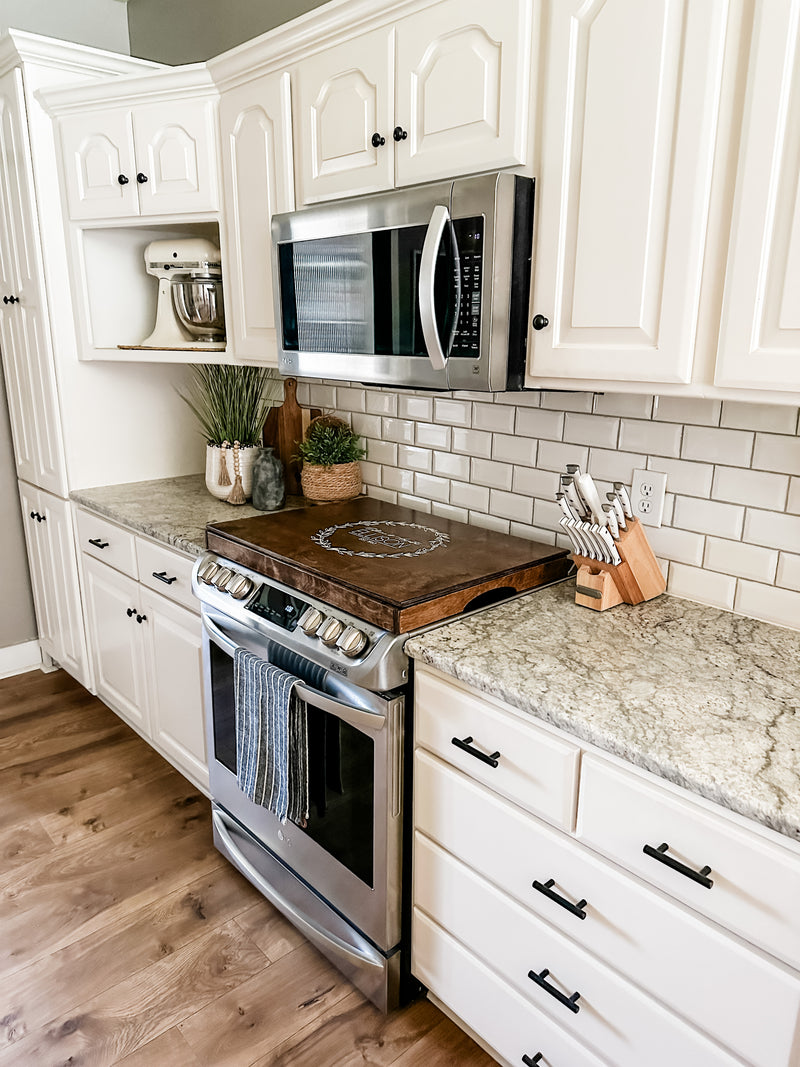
[381,493]
[432,488]
[472,442]
[536,422]
[597,431]
[788,576]
[740,560]
[489,522]
[756,489]
[535,533]
[704,587]
[567,401]
[370,473]
[401,481]
[708,516]
[418,503]
[400,430]
[382,452]
[773,418]
[497,418]
[530,481]
[554,456]
[730,447]
[419,408]
[625,405]
[416,459]
[653,438]
[773,530]
[450,465]
[321,396]
[678,546]
[350,399]
[488,472]
[794,496]
[381,403]
[774,452]
[471,497]
[689,410]
[452,412]
[511,506]
[611,466]
[367,425]
[509,449]
[447,511]
[767,602]
[429,435]
[689,479]
[547,514]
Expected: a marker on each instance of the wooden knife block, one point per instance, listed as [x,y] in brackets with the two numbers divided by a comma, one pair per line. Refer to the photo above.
[636,579]
[284,429]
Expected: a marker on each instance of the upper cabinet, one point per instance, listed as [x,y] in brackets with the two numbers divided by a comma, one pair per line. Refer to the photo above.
[441,92]
[153,153]
[630,101]
[759,345]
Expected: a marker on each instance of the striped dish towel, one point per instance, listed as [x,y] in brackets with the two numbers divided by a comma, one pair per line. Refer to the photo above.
[271,737]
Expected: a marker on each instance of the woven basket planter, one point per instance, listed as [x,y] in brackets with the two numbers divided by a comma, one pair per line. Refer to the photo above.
[342,481]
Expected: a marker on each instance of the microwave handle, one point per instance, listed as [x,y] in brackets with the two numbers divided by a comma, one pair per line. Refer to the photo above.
[425,292]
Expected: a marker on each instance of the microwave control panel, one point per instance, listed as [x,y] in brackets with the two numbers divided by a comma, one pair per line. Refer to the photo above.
[469,239]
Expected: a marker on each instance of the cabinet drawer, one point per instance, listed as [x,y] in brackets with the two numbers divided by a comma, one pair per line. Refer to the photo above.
[166,572]
[533,769]
[106,541]
[745,1000]
[756,882]
[488,1006]
[607,1013]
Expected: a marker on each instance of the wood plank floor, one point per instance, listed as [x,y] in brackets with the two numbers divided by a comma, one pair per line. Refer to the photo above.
[126,938]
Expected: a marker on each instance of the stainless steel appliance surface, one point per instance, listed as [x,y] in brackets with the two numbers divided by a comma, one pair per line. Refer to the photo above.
[426,287]
[340,879]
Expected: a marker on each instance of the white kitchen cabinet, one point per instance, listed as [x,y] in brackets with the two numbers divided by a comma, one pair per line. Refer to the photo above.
[257,182]
[759,343]
[140,159]
[630,100]
[441,92]
[52,562]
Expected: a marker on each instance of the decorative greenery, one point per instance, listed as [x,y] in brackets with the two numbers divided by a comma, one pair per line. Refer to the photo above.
[330,441]
[231,402]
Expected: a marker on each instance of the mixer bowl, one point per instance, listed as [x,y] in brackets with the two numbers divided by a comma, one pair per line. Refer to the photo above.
[198,305]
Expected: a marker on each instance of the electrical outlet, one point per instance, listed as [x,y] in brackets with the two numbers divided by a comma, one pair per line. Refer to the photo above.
[647,496]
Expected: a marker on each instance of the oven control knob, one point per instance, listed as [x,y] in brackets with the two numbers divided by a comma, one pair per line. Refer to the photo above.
[329,632]
[241,586]
[223,578]
[311,620]
[207,570]
[352,641]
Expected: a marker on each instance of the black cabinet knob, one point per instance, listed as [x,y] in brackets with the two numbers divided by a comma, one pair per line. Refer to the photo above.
[10,300]
[141,178]
[33,514]
[130,612]
[122,179]
[141,618]
[399,133]
[377,140]
[540,322]
[41,518]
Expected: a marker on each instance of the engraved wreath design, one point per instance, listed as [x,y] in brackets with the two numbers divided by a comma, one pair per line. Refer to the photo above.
[374,532]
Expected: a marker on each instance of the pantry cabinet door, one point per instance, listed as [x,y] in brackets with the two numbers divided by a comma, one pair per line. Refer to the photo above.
[630,93]
[258,182]
[175,146]
[759,344]
[24,337]
[345,108]
[99,164]
[462,89]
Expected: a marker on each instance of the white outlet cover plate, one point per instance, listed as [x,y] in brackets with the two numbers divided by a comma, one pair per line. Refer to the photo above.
[647,496]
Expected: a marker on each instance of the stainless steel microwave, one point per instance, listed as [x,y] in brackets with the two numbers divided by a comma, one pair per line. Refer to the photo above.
[426,287]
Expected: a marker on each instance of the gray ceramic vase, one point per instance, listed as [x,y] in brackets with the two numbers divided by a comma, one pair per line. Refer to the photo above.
[269,490]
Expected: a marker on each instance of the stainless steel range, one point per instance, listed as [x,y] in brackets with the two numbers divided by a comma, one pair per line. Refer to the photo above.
[330,595]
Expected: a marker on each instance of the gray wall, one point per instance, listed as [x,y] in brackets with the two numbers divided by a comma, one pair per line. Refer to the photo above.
[188,31]
[100,23]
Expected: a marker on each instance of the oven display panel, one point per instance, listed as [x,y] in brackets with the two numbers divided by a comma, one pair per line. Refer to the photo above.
[278,607]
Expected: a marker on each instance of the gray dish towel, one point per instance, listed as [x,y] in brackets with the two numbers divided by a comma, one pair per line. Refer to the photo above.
[271,737]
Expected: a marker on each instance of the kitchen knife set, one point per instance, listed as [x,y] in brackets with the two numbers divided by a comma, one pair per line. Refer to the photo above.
[615,561]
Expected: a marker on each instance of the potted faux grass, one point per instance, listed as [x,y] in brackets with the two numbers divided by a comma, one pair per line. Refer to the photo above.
[330,453]
[231,405]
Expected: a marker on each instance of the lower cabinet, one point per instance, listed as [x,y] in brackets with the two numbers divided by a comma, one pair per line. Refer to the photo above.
[146,646]
[578,953]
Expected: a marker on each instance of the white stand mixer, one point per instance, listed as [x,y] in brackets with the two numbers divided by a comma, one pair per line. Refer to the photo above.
[189,309]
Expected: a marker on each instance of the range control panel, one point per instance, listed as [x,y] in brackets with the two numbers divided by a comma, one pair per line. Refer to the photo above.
[469,237]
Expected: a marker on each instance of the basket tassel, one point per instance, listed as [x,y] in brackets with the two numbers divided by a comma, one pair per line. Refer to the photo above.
[237,493]
[223,478]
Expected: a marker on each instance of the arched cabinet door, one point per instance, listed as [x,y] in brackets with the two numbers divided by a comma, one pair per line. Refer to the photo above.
[98,164]
[462,89]
[257,182]
[630,95]
[175,160]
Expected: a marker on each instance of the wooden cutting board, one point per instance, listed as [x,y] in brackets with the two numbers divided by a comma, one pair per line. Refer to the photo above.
[284,430]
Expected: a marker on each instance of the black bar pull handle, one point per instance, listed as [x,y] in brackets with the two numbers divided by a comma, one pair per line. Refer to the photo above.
[162,577]
[531,1061]
[562,998]
[660,854]
[547,889]
[465,744]
[98,543]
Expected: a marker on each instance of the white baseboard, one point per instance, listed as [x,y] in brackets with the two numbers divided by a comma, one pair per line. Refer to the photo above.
[16,659]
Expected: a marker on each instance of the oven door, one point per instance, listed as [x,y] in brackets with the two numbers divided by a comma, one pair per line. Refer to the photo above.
[349,854]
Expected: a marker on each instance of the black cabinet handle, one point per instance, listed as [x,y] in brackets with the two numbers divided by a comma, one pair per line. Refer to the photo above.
[540,322]
[34,514]
[141,618]
[162,577]
[122,179]
[141,178]
[10,300]
[98,543]
[660,854]
[41,518]
[377,140]
[573,909]
[465,746]
[130,612]
[399,133]
[531,1061]
[568,1002]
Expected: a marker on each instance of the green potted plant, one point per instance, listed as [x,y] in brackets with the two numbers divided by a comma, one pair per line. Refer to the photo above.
[330,452]
[231,405]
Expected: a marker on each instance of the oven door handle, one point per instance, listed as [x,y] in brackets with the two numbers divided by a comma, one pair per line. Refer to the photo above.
[360,719]
[426,293]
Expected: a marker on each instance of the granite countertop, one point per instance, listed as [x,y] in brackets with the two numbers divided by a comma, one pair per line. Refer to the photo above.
[707,699]
[172,510]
